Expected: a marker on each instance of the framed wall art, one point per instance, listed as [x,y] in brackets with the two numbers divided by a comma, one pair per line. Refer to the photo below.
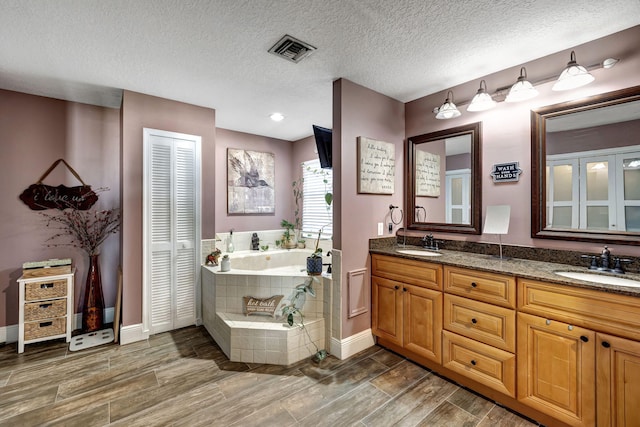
[376,166]
[250,182]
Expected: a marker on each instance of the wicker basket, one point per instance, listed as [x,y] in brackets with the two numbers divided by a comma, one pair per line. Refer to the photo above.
[45,289]
[45,310]
[45,328]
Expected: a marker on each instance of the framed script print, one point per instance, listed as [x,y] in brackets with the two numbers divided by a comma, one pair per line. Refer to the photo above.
[250,182]
[376,166]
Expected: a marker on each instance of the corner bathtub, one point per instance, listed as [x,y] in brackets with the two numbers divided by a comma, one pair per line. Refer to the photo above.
[262,339]
[280,262]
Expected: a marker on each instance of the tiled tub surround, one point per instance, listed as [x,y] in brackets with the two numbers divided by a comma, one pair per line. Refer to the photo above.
[259,338]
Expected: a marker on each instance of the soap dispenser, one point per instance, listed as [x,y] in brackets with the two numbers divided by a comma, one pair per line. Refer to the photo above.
[230,242]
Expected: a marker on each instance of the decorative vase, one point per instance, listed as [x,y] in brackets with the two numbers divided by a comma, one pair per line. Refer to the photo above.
[93,307]
[314,266]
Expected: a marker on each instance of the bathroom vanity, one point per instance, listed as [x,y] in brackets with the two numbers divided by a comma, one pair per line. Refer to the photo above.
[559,350]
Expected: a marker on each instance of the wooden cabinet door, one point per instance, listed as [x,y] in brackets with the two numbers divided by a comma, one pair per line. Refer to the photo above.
[387,309]
[618,384]
[423,322]
[556,369]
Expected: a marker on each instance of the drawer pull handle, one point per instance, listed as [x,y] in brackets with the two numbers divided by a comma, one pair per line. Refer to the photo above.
[46,305]
[474,285]
[474,320]
[584,338]
[46,285]
[473,362]
[45,324]
[605,344]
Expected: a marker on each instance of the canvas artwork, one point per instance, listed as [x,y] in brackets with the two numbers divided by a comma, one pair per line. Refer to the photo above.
[250,182]
[376,166]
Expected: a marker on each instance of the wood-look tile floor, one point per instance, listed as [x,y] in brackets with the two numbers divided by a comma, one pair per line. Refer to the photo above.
[182,378]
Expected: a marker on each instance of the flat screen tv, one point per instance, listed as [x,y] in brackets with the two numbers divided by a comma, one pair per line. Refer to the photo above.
[323,143]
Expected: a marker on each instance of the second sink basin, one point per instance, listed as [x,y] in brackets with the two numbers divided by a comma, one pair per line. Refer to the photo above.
[417,252]
[599,278]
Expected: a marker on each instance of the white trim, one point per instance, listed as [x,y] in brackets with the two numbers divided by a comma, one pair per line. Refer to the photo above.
[343,349]
[9,334]
[132,333]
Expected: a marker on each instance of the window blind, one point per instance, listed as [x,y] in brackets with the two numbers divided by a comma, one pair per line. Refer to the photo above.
[316,214]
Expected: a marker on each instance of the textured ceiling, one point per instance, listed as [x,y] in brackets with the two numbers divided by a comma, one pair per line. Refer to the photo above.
[213,53]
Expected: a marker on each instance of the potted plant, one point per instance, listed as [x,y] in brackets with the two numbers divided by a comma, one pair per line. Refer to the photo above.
[288,238]
[294,308]
[314,261]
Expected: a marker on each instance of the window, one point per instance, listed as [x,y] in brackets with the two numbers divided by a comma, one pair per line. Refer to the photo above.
[316,213]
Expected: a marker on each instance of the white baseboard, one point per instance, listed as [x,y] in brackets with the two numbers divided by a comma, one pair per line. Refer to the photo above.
[343,349]
[9,333]
[132,333]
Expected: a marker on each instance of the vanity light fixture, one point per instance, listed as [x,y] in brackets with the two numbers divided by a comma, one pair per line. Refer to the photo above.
[522,89]
[276,117]
[448,110]
[573,76]
[482,100]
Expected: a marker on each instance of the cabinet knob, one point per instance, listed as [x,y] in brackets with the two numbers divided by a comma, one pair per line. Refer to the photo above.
[404,289]
[474,320]
[396,287]
[474,285]
[547,322]
[584,338]
[605,344]
[570,327]
[473,362]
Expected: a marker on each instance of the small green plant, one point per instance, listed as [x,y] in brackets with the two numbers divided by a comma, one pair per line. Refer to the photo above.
[287,236]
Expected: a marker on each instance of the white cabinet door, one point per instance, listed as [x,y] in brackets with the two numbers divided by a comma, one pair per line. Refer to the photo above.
[172,229]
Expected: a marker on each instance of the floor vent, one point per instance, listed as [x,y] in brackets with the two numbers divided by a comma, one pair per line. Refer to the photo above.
[292,49]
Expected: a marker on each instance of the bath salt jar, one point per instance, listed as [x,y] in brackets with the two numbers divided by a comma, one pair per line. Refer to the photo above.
[225,265]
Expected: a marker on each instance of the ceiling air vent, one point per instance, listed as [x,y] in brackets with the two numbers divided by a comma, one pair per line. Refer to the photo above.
[291,49]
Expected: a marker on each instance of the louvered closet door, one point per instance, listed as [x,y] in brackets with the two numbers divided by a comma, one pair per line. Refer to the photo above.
[171,229]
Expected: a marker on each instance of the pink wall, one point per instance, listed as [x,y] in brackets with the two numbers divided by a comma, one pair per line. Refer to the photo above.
[359,111]
[34,132]
[284,174]
[140,111]
[506,128]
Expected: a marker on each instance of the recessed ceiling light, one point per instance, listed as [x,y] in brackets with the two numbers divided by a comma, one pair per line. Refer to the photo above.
[277,117]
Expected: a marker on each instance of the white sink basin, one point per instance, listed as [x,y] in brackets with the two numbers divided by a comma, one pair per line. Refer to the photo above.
[598,278]
[417,252]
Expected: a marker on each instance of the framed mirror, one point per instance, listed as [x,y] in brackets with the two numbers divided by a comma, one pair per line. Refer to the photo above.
[585,167]
[443,180]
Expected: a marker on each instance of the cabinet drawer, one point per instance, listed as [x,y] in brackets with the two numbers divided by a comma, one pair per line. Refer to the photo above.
[480,321]
[417,273]
[45,289]
[45,328]
[482,286]
[45,309]
[480,362]
[597,310]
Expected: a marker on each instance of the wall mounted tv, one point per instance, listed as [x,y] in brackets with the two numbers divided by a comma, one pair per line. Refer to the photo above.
[323,143]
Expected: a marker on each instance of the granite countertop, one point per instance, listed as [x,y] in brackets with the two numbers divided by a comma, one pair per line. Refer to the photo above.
[537,270]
